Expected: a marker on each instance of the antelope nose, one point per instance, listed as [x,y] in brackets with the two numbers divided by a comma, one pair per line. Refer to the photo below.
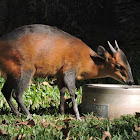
[130,82]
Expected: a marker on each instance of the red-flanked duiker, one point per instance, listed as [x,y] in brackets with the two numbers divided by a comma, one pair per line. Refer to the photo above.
[42,51]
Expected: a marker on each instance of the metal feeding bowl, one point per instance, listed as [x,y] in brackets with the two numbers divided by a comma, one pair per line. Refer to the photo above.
[110,100]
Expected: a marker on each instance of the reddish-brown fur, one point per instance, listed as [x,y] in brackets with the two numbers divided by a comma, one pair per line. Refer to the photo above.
[46,55]
[47,51]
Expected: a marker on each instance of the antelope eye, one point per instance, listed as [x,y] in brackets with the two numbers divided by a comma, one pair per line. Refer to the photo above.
[118,66]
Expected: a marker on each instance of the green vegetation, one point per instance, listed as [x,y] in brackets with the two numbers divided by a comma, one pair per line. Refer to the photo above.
[42,99]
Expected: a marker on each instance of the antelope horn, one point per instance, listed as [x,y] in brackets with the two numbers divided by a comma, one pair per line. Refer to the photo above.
[111,47]
[117,45]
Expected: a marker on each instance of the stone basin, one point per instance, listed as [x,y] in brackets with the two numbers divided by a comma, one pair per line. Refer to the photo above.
[110,100]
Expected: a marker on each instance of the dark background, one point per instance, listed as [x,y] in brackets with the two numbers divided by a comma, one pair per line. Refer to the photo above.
[93,21]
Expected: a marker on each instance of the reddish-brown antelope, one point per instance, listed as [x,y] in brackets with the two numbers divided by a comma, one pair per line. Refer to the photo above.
[41,51]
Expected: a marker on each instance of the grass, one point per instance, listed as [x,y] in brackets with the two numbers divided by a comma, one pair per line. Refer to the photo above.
[42,99]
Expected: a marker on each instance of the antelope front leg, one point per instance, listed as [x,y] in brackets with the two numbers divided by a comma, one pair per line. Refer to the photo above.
[69,80]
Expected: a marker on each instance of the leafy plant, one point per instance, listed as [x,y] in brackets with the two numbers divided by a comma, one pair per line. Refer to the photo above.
[42,99]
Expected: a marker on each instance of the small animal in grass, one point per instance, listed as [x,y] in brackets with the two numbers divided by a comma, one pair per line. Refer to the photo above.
[42,51]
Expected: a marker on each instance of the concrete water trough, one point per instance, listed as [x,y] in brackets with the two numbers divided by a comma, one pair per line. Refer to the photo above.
[110,100]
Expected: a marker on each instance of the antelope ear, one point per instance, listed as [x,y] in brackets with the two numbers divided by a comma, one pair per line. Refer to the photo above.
[101,52]
[98,60]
